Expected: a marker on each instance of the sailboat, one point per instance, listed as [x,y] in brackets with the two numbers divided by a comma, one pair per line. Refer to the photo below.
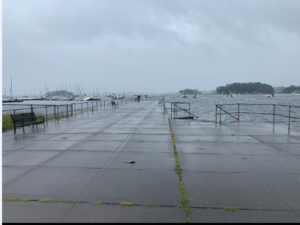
[11,97]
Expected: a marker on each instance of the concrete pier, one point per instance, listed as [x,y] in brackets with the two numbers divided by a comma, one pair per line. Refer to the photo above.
[231,173]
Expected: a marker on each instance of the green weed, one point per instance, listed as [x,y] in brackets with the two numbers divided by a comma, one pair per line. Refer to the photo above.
[150,205]
[98,203]
[15,199]
[126,203]
[178,171]
[231,208]
[189,220]
[45,200]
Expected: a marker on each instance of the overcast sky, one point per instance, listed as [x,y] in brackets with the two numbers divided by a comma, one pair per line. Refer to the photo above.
[149,45]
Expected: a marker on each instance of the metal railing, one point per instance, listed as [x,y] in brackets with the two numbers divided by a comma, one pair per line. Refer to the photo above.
[60,110]
[273,110]
[178,110]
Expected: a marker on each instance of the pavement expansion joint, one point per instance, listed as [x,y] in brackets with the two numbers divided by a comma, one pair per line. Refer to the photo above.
[184,201]
[85,202]
[142,205]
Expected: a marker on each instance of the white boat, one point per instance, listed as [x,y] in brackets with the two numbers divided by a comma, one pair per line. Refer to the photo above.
[270,95]
[184,96]
[120,96]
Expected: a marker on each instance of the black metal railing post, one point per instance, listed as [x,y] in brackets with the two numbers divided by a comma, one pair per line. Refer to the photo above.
[14,125]
[220,113]
[239,112]
[58,112]
[54,109]
[216,120]
[289,119]
[273,117]
[46,116]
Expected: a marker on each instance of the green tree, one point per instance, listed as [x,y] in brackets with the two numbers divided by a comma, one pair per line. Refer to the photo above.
[291,89]
[190,91]
[242,88]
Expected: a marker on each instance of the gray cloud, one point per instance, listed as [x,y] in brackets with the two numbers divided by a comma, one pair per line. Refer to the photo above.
[216,41]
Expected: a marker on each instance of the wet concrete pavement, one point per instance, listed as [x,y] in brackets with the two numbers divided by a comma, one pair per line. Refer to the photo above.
[83,159]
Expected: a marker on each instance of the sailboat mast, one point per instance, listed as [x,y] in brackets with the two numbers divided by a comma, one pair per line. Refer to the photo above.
[11,93]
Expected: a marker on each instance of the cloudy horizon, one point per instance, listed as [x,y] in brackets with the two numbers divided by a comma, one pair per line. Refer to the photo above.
[149,46]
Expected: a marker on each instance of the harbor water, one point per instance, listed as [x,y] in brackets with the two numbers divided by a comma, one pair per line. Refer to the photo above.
[204,106]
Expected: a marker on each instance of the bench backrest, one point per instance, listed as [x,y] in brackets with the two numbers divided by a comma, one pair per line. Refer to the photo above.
[23,118]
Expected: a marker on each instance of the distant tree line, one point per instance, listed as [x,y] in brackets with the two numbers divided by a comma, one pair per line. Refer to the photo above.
[58,93]
[278,89]
[242,88]
[291,89]
[190,91]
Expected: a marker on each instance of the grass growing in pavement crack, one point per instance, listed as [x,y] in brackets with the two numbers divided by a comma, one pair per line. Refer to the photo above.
[150,205]
[126,203]
[188,220]
[231,208]
[15,199]
[98,203]
[48,200]
[183,195]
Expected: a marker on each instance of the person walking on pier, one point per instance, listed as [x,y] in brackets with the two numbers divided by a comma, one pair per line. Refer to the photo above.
[139,97]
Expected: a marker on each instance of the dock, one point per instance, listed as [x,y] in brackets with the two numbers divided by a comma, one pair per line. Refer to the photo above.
[135,164]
